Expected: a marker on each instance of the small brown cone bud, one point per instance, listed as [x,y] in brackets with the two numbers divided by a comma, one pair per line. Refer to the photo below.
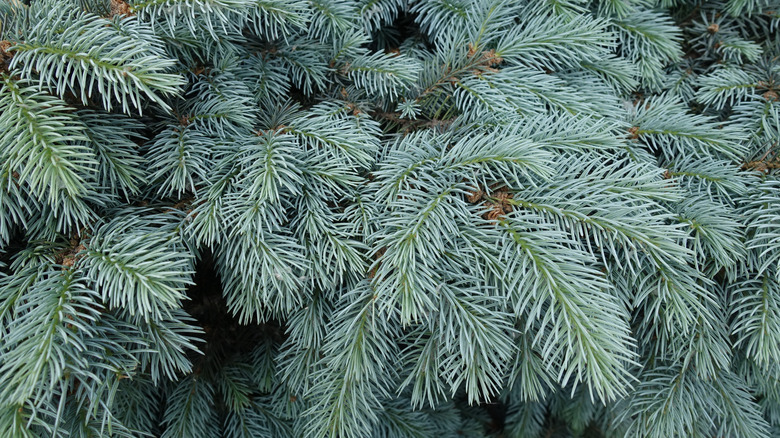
[120,7]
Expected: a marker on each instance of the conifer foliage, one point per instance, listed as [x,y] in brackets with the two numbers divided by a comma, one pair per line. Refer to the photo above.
[389,218]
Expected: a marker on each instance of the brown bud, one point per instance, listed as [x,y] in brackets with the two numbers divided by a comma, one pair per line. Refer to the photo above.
[712,28]
[475,196]
[5,56]
[120,7]
[472,50]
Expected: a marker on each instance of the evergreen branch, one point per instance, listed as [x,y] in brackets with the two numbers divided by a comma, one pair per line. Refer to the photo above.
[525,419]
[16,204]
[180,159]
[517,90]
[331,17]
[271,166]
[588,337]
[113,139]
[271,266]
[41,142]
[725,86]
[163,345]
[433,16]
[381,74]
[45,340]
[499,155]
[276,18]
[684,134]
[763,235]
[266,78]
[91,55]
[718,179]
[328,126]
[214,15]
[189,409]
[376,13]
[573,41]
[419,227]
[354,372]
[479,333]
[223,105]
[308,66]
[717,239]
[668,401]
[529,378]
[738,50]
[756,318]
[139,270]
